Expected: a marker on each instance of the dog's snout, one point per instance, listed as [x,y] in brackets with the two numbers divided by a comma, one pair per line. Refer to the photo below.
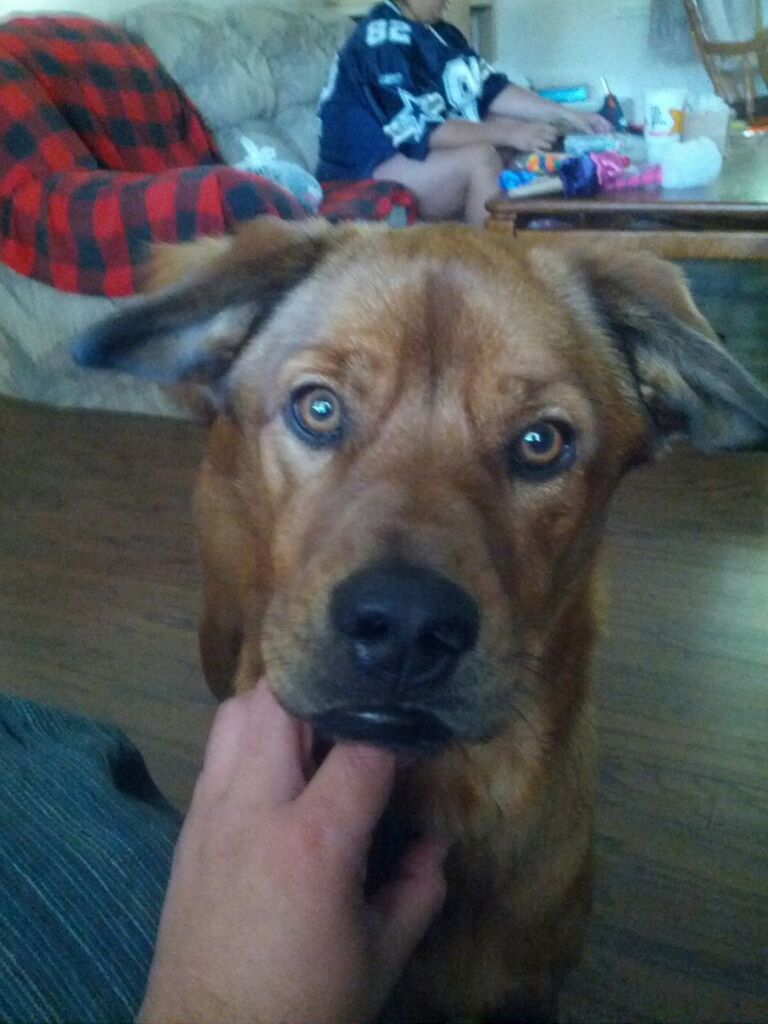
[404,624]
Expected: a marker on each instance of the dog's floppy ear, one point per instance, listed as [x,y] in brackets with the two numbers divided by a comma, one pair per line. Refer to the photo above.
[224,289]
[688,383]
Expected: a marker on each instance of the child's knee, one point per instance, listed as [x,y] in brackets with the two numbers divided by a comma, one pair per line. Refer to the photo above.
[485,157]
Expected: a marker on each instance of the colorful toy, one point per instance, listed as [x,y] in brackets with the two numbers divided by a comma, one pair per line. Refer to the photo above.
[591,173]
[543,163]
[537,185]
[690,164]
[509,180]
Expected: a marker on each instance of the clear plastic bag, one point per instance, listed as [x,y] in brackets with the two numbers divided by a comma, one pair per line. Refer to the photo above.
[299,182]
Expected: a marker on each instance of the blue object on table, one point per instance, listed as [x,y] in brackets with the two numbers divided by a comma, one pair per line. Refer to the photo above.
[579,177]
[567,94]
[510,180]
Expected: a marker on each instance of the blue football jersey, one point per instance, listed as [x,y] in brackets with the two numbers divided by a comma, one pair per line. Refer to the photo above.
[392,83]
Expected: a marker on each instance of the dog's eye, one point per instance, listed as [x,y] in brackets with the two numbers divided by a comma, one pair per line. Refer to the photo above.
[542,450]
[316,415]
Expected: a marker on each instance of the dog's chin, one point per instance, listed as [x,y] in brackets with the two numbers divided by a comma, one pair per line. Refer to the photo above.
[410,732]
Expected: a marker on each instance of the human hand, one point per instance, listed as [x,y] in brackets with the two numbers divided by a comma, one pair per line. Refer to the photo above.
[587,123]
[524,136]
[265,919]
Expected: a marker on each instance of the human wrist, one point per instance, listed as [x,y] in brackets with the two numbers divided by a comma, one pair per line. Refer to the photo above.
[189,1003]
[162,1011]
[500,131]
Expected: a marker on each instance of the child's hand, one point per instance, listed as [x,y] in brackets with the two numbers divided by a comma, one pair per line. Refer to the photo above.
[580,121]
[265,918]
[525,136]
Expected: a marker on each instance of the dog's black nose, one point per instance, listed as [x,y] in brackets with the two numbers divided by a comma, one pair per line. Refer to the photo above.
[405,624]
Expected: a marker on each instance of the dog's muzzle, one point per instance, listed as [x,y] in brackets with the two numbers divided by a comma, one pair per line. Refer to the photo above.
[401,630]
[399,728]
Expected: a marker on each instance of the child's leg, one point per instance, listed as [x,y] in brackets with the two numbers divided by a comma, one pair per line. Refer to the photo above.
[453,182]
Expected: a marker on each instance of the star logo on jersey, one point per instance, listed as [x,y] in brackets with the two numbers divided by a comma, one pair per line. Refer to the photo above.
[417,113]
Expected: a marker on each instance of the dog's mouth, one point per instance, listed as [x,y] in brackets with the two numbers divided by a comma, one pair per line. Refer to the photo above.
[406,730]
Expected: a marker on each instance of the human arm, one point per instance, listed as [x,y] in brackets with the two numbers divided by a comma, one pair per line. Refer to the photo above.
[516,102]
[505,132]
[265,918]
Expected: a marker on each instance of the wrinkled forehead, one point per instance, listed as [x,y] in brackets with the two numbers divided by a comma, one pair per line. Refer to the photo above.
[482,333]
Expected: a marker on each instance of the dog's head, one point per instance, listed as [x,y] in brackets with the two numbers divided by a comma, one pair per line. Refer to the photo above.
[431,423]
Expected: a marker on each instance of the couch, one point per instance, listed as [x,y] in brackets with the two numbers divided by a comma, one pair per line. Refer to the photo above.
[251,71]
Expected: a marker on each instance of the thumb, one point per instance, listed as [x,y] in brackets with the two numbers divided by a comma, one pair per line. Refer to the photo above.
[409,903]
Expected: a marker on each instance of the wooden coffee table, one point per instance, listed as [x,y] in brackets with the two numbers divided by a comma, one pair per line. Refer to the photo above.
[725,220]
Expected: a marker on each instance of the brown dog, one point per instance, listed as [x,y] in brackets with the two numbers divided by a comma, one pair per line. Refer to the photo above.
[399,512]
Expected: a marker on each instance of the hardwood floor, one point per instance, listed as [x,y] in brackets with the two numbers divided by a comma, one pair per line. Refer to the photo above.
[99,595]
[98,581]
[680,927]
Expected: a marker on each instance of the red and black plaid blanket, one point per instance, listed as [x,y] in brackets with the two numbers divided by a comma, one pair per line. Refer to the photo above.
[101,154]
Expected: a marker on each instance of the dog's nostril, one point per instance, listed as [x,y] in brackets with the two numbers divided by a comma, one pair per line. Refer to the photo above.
[452,636]
[437,648]
[370,626]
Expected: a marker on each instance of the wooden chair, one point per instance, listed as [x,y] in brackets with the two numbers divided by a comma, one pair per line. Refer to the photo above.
[734,65]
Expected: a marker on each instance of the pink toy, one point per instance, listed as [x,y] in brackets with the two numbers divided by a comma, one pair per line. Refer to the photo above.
[612,173]
[610,167]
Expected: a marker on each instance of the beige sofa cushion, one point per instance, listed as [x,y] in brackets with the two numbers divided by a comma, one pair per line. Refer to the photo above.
[36,328]
[250,68]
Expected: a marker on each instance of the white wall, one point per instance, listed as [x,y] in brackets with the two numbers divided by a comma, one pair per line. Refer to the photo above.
[552,42]
[563,42]
[110,8]
[95,8]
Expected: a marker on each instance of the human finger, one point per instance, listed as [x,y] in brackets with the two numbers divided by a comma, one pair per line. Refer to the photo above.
[350,791]
[272,756]
[408,904]
[599,125]
[219,755]
[546,132]
[255,750]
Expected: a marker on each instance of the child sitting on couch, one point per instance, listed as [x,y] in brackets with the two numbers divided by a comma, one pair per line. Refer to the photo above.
[410,101]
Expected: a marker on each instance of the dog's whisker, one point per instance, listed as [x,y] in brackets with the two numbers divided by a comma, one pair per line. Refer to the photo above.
[527,658]
[518,711]
[530,664]
[528,655]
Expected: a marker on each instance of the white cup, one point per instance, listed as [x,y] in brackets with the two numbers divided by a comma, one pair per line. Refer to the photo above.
[664,119]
